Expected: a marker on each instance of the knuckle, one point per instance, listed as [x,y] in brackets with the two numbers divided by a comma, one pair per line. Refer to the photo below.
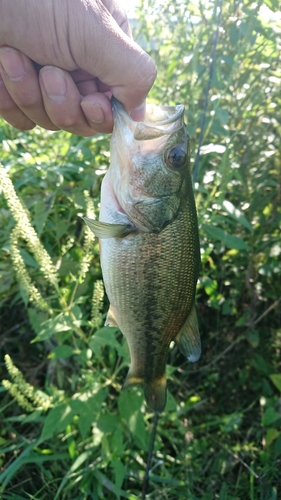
[66,123]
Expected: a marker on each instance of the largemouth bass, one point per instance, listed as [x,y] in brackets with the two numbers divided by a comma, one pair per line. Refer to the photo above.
[149,243]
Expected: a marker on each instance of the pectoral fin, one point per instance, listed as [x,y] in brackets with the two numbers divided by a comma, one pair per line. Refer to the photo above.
[106,230]
[110,318]
[188,339]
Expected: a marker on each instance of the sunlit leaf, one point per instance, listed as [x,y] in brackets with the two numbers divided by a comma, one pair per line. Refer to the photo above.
[228,239]
[57,420]
[236,214]
[105,336]
[52,326]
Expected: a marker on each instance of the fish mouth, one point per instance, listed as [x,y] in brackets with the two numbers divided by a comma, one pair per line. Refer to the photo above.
[158,121]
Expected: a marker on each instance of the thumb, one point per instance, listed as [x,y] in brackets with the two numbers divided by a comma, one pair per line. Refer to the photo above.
[109,54]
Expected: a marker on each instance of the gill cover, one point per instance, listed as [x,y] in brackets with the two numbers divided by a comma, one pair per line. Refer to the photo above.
[149,165]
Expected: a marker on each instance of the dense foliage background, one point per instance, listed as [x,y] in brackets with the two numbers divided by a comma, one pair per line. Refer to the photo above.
[66,429]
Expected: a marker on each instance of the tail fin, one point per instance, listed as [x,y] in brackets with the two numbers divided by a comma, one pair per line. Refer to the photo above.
[155,394]
[154,391]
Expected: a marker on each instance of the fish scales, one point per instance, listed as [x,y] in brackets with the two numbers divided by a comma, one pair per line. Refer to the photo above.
[150,272]
[143,273]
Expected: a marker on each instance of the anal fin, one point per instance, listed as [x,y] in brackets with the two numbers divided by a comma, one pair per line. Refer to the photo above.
[188,339]
[110,318]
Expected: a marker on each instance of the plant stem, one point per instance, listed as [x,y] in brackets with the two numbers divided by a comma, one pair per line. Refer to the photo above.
[149,457]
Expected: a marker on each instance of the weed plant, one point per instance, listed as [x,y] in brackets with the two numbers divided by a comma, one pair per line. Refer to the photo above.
[67,431]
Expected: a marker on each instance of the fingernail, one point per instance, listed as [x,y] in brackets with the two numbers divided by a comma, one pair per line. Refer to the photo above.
[139,113]
[93,111]
[12,63]
[54,84]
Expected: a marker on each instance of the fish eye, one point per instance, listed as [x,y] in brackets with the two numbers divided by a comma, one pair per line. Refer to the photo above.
[176,157]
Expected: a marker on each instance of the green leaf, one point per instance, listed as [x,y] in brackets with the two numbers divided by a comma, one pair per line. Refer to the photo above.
[223,492]
[54,325]
[119,473]
[234,34]
[88,410]
[110,486]
[210,286]
[36,319]
[276,379]
[6,280]
[171,404]
[28,259]
[261,365]
[277,446]
[62,227]
[236,214]
[231,422]
[273,4]
[42,210]
[141,435]
[228,239]
[271,435]
[270,416]
[242,320]
[62,352]
[80,460]
[218,129]
[107,423]
[129,404]
[76,310]
[253,338]
[117,443]
[105,336]
[56,421]
[222,115]
[228,60]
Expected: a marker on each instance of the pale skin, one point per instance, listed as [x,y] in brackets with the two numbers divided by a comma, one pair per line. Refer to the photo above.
[84,54]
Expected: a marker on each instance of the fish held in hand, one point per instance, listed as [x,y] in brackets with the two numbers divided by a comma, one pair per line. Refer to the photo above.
[149,244]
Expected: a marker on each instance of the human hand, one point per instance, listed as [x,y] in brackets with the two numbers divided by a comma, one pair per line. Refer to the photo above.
[83,52]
